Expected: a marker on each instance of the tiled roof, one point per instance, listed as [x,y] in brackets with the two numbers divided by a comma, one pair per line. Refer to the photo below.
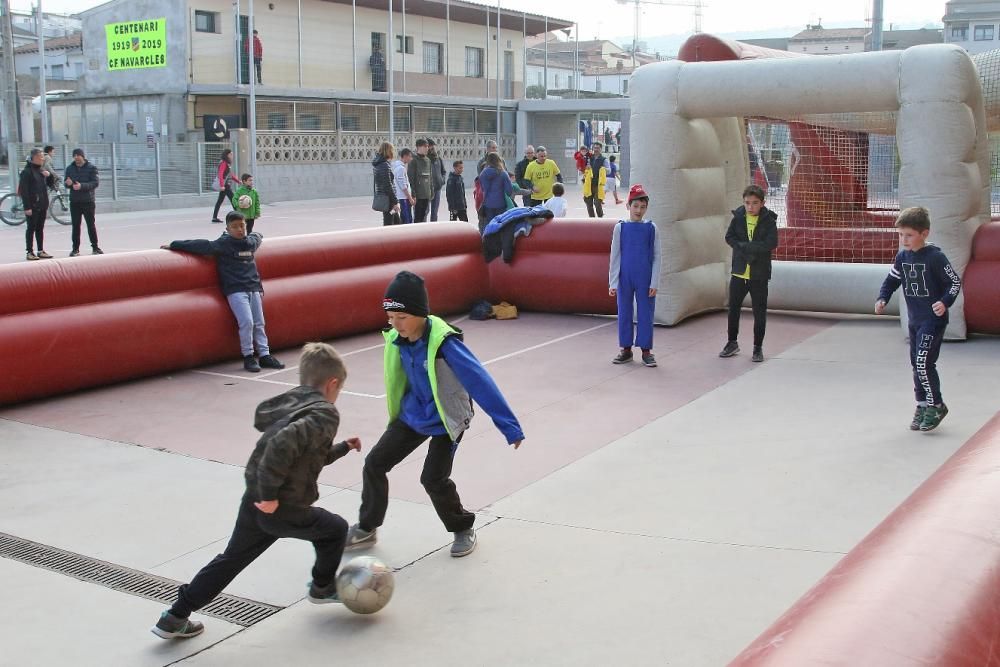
[72,41]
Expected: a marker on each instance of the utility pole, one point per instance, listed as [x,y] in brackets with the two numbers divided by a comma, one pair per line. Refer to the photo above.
[11,128]
[877,26]
[40,27]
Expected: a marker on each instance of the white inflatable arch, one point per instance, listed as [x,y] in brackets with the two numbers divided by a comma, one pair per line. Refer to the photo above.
[688,148]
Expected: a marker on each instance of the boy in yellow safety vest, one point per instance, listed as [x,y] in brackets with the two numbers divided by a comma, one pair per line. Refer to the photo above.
[431,379]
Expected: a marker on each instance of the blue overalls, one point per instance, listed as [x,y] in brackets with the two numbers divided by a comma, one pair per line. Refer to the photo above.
[634,278]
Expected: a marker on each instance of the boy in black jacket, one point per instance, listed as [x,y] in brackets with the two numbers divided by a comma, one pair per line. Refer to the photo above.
[455,193]
[930,286]
[241,285]
[298,430]
[753,235]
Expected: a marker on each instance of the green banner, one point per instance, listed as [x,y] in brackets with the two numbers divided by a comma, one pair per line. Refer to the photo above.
[137,44]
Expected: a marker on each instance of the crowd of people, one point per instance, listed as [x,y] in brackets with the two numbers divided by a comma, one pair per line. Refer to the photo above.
[407,185]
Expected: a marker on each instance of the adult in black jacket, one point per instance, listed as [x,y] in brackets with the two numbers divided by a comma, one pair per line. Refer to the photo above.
[385,181]
[35,199]
[753,235]
[520,168]
[82,179]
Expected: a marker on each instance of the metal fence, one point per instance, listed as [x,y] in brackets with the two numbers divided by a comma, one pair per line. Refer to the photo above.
[130,171]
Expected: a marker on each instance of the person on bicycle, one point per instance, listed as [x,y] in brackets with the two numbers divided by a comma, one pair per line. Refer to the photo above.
[82,179]
[35,198]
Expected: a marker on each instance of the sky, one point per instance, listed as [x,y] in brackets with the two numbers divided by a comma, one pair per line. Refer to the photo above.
[609,19]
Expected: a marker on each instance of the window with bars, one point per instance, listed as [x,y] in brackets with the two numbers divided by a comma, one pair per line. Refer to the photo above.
[399,44]
[960,33]
[433,58]
[474,62]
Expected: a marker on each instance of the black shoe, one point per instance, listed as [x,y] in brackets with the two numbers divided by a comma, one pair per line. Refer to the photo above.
[174,627]
[268,361]
[623,357]
[731,348]
[74,253]
[250,364]
[323,594]
[216,220]
[758,353]
[96,251]
[648,359]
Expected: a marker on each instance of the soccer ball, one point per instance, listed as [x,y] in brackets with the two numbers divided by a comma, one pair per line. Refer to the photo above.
[365,585]
[245,201]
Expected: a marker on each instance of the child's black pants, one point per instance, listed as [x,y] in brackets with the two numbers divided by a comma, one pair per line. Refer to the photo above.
[255,531]
[738,290]
[398,442]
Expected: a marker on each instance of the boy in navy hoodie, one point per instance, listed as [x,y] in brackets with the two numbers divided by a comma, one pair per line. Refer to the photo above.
[431,378]
[930,286]
[241,285]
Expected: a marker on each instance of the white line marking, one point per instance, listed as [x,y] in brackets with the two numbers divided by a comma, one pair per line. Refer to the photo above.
[549,342]
[286,384]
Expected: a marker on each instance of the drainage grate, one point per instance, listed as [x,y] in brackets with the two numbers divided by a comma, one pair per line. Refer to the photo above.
[228,608]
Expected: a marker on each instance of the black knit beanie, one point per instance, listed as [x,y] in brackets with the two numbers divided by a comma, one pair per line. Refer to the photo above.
[407,294]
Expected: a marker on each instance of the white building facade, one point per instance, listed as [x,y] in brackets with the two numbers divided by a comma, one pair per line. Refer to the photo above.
[973,24]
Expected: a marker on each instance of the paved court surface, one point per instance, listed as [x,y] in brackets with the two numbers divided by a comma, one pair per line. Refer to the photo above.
[652,517]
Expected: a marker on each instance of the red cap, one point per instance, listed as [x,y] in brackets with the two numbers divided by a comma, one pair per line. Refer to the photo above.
[636,192]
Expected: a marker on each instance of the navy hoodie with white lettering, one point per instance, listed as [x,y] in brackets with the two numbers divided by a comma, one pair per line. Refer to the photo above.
[927,277]
[234,260]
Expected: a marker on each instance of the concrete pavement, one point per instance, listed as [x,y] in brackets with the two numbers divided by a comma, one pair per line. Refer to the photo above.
[653,516]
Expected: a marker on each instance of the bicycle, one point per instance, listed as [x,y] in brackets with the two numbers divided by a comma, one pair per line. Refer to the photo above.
[12,210]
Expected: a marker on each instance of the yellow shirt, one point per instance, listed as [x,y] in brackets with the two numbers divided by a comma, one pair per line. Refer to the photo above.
[543,177]
[751,226]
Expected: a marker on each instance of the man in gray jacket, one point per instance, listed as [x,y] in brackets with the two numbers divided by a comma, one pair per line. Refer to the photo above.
[82,179]
[421,181]
[438,177]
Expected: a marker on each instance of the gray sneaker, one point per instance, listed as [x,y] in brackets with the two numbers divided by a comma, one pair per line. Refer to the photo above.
[323,594]
[360,539]
[731,348]
[175,627]
[464,544]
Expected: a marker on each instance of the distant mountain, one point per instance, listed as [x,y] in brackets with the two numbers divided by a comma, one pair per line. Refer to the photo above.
[668,45]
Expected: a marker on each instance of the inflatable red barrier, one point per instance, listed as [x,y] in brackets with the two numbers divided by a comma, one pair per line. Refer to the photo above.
[923,588]
[538,278]
[981,282]
[72,324]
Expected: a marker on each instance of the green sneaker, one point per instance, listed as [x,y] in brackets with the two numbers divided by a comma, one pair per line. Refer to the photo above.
[918,417]
[933,415]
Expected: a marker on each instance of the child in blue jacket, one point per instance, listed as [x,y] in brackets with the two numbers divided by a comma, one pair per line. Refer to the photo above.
[431,379]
